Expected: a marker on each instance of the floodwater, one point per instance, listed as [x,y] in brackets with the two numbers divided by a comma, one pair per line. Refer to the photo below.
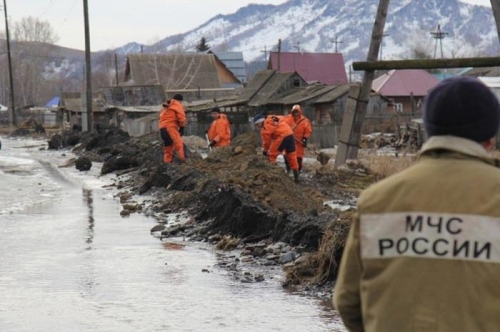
[69,262]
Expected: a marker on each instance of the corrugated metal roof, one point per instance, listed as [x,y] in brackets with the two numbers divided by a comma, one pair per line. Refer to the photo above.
[327,68]
[404,82]
[136,109]
[255,84]
[235,63]
[150,117]
[482,71]
[175,71]
[270,88]
[334,94]
[300,95]
[73,101]
[229,55]
[137,95]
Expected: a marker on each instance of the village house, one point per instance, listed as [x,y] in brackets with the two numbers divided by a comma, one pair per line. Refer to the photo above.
[126,104]
[235,63]
[72,110]
[272,92]
[197,76]
[406,89]
[326,68]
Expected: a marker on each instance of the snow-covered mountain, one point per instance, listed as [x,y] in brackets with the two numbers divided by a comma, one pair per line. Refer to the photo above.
[314,25]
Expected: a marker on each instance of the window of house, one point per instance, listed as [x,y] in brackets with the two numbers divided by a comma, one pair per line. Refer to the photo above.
[398,107]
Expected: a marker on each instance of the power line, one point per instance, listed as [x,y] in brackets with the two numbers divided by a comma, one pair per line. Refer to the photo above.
[69,12]
[46,9]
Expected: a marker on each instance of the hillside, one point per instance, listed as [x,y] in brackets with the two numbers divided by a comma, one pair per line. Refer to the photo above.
[313,25]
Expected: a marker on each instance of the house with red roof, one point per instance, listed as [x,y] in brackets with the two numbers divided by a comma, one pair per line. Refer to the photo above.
[406,89]
[326,68]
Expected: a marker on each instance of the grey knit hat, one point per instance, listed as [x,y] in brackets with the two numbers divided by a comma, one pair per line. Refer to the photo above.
[463,107]
[258,118]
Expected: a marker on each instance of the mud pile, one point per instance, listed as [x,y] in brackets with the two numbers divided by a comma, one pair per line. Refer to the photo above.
[233,191]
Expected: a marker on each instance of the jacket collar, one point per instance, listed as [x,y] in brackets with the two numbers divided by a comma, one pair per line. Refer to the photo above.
[456,144]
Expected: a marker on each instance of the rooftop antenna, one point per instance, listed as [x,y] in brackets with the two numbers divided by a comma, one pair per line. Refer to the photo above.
[297,46]
[438,35]
[265,53]
[336,41]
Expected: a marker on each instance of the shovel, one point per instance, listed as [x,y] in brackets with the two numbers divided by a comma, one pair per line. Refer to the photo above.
[208,141]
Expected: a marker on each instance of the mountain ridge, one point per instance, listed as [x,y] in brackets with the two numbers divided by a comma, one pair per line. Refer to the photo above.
[312,25]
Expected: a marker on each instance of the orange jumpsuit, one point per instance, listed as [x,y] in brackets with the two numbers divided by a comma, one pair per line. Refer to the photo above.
[172,119]
[220,131]
[277,136]
[302,128]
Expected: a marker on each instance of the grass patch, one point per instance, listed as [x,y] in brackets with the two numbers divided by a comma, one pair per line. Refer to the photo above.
[322,266]
[384,165]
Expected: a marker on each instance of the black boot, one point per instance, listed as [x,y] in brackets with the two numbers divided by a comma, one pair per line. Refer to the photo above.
[295,176]
[287,167]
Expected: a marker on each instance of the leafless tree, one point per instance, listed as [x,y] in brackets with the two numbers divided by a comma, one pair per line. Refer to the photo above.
[32,29]
[104,73]
[173,70]
[32,51]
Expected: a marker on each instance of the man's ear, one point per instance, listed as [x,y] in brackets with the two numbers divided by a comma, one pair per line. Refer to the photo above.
[490,144]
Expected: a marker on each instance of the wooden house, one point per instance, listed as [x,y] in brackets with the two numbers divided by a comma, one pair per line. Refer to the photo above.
[406,89]
[194,75]
[124,105]
[72,110]
[326,68]
[265,86]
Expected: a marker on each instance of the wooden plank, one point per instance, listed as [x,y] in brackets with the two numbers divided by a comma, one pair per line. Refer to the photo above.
[346,137]
[495,6]
[427,63]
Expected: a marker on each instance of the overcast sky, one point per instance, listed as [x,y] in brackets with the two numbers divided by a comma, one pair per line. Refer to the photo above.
[114,23]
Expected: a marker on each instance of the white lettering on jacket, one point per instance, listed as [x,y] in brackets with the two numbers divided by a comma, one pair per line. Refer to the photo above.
[430,235]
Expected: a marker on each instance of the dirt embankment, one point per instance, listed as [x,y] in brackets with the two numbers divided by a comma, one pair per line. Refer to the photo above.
[235,198]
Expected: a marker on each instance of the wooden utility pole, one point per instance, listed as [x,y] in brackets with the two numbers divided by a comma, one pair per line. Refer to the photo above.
[88,69]
[12,108]
[352,123]
[495,6]
[116,68]
[279,54]
[357,102]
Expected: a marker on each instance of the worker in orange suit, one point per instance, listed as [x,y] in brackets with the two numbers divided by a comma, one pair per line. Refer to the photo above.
[171,125]
[277,136]
[219,133]
[302,130]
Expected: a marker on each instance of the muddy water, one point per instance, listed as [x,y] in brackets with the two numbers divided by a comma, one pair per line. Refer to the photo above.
[69,262]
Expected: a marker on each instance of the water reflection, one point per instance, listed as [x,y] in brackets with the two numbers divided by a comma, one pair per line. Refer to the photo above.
[172,246]
[50,280]
[88,200]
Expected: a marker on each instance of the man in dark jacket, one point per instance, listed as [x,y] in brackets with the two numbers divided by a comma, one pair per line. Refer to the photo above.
[424,253]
